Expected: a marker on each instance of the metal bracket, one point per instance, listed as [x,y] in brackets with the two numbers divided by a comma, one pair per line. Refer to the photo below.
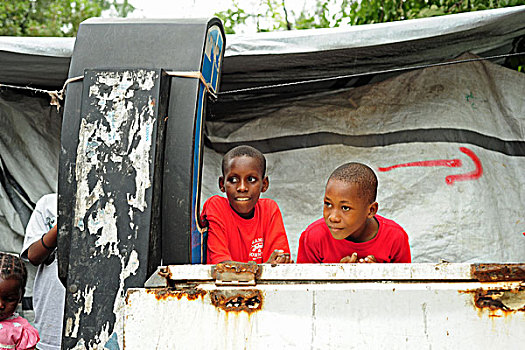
[159,279]
[235,273]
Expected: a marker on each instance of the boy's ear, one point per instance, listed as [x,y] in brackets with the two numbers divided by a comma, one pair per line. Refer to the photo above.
[266,184]
[372,210]
[221,184]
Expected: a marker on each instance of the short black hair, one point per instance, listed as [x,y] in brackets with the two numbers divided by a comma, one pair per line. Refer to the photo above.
[244,150]
[360,174]
[12,267]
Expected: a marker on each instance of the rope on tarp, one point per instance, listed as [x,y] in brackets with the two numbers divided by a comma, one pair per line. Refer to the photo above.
[53,94]
[57,96]
[392,70]
[189,74]
[195,75]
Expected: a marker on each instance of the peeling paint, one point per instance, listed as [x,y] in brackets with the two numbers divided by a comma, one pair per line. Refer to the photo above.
[117,110]
[115,139]
[118,307]
[72,325]
[140,160]
[88,299]
[81,345]
[498,272]
[190,293]
[106,221]
[501,301]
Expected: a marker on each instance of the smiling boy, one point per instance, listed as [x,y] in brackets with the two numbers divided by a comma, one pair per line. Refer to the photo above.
[350,230]
[243,227]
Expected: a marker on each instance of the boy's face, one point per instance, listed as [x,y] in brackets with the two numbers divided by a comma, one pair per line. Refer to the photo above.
[346,213]
[243,183]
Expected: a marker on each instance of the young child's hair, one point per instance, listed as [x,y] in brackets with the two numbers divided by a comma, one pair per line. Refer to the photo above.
[359,174]
[12,267]
[244,150]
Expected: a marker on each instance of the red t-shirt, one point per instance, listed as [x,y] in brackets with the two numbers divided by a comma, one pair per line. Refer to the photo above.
[231,237]
[390,245]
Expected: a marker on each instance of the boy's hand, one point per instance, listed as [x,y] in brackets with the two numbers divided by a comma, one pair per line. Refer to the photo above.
[349,259]
[352,259]
[368,260]
[279,257]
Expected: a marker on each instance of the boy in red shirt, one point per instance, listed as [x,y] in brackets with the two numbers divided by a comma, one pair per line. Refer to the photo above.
[243,227]
[351,231]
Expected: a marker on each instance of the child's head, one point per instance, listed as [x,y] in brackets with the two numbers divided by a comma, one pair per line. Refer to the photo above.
[13,278]
[349,202]
[243,178]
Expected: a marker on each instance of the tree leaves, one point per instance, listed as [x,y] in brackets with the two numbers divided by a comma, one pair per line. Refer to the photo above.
[53,17]
[273,15]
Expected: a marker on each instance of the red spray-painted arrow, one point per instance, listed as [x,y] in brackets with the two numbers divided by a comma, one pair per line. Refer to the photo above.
[451,163]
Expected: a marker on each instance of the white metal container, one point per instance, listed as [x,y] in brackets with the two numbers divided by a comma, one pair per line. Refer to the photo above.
[342,306]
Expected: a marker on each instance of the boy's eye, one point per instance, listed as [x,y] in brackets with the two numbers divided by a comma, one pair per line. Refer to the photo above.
[327,204]
[233,180]
[345,208]
[252,179]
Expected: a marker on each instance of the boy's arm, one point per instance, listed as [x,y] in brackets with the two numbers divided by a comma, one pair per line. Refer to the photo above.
[40,250]
[218,250]
[276,246]
[217,244]
[38,230]
[401,249]
[308,252]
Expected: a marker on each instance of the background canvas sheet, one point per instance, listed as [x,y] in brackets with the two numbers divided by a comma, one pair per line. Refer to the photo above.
[421,115]
[425,115]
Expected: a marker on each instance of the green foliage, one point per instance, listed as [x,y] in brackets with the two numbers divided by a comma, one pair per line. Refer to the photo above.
[233,17]
[53,17]
[272,14]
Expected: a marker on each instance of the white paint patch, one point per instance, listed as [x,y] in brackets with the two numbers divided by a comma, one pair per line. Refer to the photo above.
[106,220]
[139,158]
[73,333]
[81,345]
[69,326]
[88,299]
[86,160]
[127,131]
[118,308]
[103,337]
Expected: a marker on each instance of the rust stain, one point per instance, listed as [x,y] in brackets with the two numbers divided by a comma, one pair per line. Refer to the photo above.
[499,301]
[498,272]
[190,293]
[165,273]
[236,267]
[236,273]
[237,300]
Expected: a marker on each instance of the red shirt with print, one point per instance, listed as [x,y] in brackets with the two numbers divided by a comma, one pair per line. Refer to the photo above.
[390,245]
[231,237]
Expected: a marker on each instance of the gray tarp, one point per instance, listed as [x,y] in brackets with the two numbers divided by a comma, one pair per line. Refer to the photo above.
[425,115]
[313,128]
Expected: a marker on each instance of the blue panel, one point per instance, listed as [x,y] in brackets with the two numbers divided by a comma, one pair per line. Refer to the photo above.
[211,65]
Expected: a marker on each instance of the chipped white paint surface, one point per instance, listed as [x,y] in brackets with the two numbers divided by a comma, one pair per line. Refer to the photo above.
[116,139]
[116,106]
[88,299]
[342,315]
[333,272]
[130,268]
[105,221]
[72,324]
